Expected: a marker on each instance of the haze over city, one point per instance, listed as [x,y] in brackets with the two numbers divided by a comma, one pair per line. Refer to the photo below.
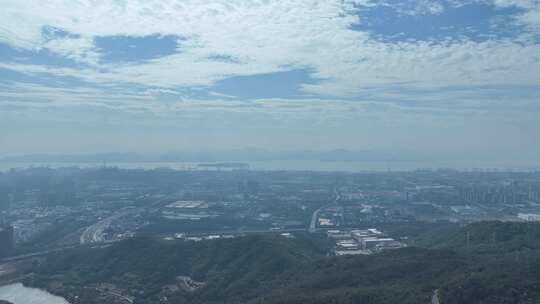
[269,151]
[453,80]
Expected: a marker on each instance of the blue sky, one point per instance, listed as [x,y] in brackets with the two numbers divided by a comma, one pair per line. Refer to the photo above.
[437,77]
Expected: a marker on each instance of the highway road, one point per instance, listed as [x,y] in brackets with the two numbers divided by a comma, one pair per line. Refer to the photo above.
[95,232]
[106,243]
[242,232]
[46,252]
[315,215]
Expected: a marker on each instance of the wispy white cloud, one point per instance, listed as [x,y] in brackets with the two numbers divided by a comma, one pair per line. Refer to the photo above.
[530,17]
[78,49]
[294,34]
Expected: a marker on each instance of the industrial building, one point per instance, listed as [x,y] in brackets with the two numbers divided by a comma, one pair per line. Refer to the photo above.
[367,241]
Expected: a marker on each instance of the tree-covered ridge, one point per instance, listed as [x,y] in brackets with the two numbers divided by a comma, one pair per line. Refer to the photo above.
[490,262]
[232,268]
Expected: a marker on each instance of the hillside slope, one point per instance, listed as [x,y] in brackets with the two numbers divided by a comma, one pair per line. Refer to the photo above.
[491,262]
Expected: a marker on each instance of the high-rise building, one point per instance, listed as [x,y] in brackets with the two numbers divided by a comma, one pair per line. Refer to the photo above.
[6,240]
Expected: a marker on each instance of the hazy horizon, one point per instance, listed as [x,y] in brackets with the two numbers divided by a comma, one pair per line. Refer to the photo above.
[261,154]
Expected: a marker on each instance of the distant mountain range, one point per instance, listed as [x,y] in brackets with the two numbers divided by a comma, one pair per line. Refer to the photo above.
[236,155]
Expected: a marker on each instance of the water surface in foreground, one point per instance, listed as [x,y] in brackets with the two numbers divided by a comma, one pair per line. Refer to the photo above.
[19,294]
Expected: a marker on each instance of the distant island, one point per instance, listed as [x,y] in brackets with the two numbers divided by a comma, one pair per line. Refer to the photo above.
[233,155]
[224,165]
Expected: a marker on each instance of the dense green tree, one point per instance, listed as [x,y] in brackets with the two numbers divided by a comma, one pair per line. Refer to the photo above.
[490,262]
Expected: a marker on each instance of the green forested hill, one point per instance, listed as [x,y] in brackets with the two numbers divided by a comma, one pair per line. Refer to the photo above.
[491,262]
[504,263]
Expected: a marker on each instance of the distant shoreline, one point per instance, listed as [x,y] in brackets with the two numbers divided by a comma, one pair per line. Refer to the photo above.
[284,165]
